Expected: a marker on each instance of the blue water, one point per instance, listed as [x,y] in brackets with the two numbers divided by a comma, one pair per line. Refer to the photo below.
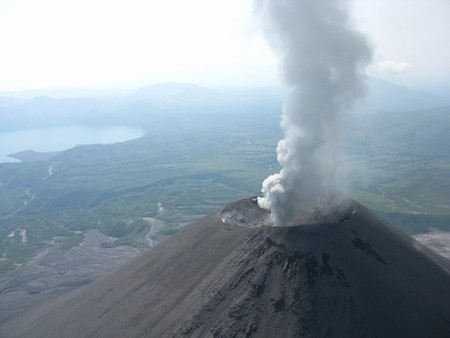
[62,138]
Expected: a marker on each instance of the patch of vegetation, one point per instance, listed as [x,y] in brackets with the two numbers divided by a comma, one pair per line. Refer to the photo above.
[192,161]
[71,242]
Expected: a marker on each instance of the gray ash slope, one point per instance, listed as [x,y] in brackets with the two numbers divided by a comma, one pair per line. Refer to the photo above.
[227,276]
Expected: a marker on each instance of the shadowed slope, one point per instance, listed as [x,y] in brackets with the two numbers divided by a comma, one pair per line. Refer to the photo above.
[222,278]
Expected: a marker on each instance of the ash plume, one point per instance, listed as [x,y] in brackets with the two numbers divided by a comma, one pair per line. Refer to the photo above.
[322,59]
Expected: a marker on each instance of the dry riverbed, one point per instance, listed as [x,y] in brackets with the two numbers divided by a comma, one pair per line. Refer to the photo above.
[49,274]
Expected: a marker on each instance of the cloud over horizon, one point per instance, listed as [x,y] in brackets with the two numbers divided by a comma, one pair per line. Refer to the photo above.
[394,67]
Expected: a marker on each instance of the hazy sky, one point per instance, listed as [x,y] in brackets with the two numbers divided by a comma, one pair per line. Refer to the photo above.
[50,44]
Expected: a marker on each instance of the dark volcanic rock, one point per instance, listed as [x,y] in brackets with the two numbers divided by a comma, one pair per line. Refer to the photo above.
[225,276]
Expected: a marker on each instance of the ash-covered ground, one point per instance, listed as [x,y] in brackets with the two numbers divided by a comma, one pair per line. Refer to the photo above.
[240,280]
[438,241]
[51,273]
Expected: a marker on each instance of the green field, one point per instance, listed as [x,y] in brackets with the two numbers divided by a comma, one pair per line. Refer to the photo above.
[192,161]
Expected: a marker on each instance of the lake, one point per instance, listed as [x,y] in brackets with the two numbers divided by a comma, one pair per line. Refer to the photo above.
[62,138]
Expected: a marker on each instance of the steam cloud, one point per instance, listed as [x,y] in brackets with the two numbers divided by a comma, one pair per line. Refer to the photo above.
[322,59]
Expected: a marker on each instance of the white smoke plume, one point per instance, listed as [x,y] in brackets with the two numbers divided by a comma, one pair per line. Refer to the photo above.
[322,60]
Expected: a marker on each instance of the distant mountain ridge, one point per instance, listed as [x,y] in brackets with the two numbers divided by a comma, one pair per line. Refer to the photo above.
[384,96]
[171,90]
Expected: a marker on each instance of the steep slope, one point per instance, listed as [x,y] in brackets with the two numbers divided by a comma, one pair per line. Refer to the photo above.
[229,275]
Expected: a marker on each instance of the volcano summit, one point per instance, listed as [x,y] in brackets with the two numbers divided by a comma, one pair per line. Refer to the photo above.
[232,275]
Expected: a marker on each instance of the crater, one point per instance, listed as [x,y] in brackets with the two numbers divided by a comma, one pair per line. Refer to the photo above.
[247,213]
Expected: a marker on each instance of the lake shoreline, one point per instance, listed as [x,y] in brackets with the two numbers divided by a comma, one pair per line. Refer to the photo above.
[32,156]
[43,143]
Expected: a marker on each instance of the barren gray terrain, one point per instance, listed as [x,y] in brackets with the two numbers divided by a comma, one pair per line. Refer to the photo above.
[438,241]
[50,273]
[232,276]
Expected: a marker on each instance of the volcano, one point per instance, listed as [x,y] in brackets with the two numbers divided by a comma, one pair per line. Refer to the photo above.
[231,274]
